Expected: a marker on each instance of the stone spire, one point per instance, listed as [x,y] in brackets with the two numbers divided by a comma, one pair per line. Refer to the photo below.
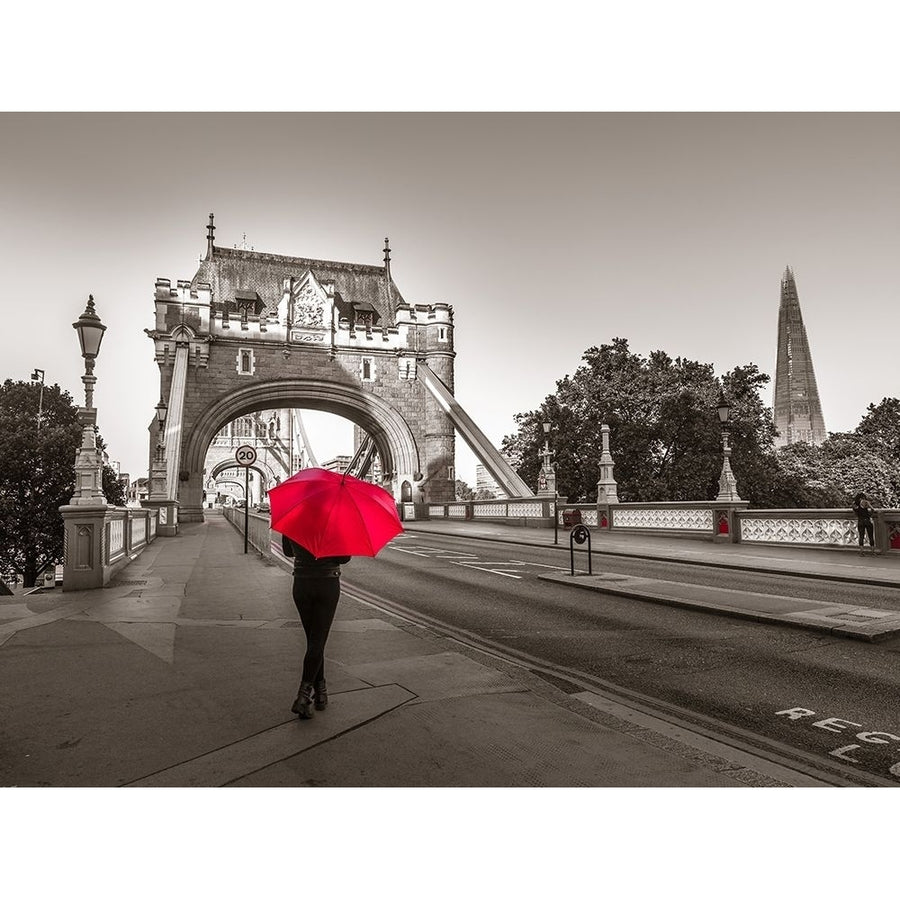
[210,234]
[387,272]
[607,491]
[798,412]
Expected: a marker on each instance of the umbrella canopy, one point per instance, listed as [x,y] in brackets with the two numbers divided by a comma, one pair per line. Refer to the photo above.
[333,514]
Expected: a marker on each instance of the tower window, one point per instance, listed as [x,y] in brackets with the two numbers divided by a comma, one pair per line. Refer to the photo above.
[442,334]
[367,368]
[246,364]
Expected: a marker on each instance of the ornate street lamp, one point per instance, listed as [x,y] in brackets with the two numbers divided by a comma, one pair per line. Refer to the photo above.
[88,461]
[161,410]
[723,409]
[90,333]
[38,375]
[727,481]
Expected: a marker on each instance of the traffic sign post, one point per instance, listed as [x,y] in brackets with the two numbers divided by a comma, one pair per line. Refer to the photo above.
[579,535]
[246,456]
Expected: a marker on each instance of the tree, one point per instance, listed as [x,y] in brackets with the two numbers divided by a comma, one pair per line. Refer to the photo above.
[664,433]
[866,459]
[37,475]
[880,428]
[113,489]
[463,491]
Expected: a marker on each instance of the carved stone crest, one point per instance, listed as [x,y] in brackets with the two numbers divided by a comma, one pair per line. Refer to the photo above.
[309,307]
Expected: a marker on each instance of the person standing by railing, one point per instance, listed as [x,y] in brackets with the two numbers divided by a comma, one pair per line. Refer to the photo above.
[865,522]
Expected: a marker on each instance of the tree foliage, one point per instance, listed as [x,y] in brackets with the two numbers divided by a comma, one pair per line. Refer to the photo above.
[664,432]
[866,459]
[666,440]
[463,491]
[38,475]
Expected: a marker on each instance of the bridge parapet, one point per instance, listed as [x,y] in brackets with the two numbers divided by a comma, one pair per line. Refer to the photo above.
[706,520]
[829,528]
[98,541]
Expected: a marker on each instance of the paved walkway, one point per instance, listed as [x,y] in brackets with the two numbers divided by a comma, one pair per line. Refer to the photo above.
[182,673]
[841,619]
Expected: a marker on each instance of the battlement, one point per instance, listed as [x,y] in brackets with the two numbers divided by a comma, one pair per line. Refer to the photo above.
[200,294]
[427,312]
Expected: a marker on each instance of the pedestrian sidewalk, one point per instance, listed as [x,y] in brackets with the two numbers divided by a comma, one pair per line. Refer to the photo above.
[837,564]
[182,673]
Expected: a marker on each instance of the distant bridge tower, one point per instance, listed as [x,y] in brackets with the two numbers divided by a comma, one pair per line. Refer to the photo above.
[798,412]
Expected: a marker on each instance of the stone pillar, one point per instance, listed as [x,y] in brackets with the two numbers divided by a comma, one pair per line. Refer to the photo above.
[725,525]
[607,491]
[88,464]
[547,474]
[727,481]
[83,528]
[158,495]
[167,526]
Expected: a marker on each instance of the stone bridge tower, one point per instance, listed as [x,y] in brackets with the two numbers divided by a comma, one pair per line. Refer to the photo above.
[256,331]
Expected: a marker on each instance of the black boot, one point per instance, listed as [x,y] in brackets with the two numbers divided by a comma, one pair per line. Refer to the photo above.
[303,704]
[321,695]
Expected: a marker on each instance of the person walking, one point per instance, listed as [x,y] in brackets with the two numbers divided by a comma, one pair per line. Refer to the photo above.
[316,591]
[864,521]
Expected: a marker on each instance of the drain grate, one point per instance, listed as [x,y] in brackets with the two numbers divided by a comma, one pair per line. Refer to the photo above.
[124,583]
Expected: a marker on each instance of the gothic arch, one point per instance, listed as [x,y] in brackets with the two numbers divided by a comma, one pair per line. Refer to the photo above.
[265,473]
[183,333]
[391,434]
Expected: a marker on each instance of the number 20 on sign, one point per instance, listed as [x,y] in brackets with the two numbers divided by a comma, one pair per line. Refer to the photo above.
[245,455]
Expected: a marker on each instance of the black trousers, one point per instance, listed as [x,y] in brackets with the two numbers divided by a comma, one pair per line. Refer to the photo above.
[316,600]
[866,528]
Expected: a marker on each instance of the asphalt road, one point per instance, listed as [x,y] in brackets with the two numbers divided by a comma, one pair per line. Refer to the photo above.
[833,698]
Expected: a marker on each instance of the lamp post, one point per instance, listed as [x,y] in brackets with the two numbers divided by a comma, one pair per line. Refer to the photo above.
[548,480]
[88,461]
[727,481]
[161,410]
[38,375]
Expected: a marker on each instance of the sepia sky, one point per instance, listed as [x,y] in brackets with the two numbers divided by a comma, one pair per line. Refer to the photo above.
[548,233]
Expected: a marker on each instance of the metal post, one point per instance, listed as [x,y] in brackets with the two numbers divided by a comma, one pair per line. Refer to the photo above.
[246,504]
[555,517]
[578,535]
[38,375]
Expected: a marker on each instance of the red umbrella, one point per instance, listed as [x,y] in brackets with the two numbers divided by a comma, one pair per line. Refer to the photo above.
[333,514]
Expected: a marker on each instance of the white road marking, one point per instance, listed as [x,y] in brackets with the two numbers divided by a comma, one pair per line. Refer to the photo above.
[437,552]
[839,726]
[542,565]
[467,560]
[483,569]
[413,552]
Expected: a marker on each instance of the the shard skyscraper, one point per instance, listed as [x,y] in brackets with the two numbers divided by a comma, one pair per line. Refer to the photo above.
[798,412]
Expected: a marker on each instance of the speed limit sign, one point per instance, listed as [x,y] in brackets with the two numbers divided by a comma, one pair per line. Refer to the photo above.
[245,455]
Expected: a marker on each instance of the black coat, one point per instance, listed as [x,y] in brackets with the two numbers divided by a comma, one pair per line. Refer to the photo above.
[307,564]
